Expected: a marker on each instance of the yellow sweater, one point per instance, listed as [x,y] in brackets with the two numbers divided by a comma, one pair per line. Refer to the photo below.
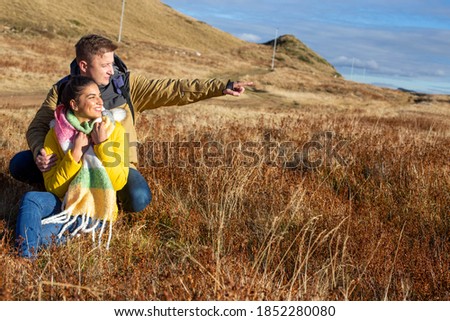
[110,152]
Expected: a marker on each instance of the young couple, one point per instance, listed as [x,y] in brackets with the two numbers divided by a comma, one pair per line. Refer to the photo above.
[80,158]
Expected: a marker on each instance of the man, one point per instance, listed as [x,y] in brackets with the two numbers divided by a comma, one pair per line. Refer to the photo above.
[95,58]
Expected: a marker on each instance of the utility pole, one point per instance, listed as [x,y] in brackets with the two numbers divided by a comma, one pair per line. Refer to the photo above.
[274,49]
[351,74]
[121,21]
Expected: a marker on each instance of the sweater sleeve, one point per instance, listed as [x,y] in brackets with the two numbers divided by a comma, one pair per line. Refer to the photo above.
[40,125]
[153,93]
[58,178]
[112,155]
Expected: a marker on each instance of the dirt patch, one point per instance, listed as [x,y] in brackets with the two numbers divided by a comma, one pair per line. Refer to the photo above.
[11,100]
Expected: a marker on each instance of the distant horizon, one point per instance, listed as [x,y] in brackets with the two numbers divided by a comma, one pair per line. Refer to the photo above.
[400,44]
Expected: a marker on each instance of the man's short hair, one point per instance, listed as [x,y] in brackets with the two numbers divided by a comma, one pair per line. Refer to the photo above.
[91,45]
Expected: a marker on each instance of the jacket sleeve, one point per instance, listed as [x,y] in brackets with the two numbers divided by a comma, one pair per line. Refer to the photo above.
[58,178]
[112,155]
[40,125]
[153,93]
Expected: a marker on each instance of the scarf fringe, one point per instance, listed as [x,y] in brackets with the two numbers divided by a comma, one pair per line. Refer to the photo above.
[85,227]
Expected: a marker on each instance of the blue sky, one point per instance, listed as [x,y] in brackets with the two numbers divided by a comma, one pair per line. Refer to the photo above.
[395,43]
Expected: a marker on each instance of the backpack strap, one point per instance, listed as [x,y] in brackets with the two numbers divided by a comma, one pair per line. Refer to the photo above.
[126,93]
[122,87]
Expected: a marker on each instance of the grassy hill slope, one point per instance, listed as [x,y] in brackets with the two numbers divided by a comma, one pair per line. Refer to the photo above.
[148,20]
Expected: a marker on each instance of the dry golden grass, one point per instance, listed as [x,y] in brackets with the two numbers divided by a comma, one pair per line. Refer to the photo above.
[374,228]
[147,21]
[369,222]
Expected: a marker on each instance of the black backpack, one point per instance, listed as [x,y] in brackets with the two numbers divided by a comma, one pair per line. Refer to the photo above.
[120,81]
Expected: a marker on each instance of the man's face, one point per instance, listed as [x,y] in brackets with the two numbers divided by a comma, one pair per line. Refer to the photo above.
[100,69]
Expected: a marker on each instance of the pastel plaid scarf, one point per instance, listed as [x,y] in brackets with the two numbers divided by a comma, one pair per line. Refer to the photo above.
[90,195]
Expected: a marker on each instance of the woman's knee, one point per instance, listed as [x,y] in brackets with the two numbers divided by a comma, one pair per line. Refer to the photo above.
[140,199]
[31,199]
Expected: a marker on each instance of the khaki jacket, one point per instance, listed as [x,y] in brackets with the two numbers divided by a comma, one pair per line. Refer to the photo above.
[145,94]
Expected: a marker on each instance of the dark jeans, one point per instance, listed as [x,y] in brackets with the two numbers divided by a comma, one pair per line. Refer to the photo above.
[135,195]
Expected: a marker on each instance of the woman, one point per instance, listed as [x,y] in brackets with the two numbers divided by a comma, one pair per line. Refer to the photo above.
[81,187]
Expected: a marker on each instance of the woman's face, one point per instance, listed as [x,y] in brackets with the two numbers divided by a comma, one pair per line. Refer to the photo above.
[89,105]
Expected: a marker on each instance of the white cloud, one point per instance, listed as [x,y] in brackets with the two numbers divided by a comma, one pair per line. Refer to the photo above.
[355,62]
[250,37]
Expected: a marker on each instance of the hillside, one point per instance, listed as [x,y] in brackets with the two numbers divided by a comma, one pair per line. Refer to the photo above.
[37,46]
[144,21]
[291,50]
[37,40]
[159,42]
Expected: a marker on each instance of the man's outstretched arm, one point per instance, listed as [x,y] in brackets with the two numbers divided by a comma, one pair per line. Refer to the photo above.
[153,93]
